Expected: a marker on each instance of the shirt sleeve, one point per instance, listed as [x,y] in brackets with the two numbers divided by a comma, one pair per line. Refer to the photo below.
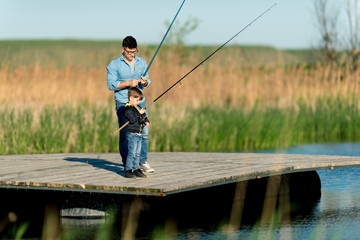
[144,118]
[112,77]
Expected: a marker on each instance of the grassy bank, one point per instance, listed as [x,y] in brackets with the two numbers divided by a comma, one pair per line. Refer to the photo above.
[89,128]
[52,129]
[236,129]
[54,98]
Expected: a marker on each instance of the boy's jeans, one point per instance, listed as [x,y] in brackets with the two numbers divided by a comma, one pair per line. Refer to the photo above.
[123,143]
[133,157]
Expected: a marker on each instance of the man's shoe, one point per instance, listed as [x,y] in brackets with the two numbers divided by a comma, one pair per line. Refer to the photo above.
[139,173]
[145,167]
[130,174]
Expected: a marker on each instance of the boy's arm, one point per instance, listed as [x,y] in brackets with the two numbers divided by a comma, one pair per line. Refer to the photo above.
[144,119]
[130,115]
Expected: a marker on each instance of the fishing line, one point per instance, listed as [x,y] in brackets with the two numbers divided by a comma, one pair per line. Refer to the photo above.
[211,55]
[167,90]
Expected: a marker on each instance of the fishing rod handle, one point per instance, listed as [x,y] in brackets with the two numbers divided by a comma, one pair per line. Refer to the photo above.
[125,124]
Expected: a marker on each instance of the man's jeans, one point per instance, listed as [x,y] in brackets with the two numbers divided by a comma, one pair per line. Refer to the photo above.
[123,143]
[133,157]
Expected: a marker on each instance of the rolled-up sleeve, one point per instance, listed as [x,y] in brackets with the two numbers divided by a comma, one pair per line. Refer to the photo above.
[119,71]
[112,76]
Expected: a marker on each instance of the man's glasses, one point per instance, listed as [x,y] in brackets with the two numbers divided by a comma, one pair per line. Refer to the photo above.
[131,52]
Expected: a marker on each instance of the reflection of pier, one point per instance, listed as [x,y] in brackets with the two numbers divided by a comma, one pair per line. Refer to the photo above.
[201,188]
[175,172]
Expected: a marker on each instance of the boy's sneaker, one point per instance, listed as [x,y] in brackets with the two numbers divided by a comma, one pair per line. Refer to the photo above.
[145,167]
[130,174]
[139,173]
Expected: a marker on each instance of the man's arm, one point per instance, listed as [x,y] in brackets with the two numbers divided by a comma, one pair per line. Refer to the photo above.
[130,83]
[114,83]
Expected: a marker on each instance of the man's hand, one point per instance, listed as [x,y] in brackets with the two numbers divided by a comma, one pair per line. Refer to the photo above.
[126,84]
[144,81]
[133,82]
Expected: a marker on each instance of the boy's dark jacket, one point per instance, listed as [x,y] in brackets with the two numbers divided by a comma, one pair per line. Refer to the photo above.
[136,120]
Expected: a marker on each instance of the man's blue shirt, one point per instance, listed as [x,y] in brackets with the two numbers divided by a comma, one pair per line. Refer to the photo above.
[119,71]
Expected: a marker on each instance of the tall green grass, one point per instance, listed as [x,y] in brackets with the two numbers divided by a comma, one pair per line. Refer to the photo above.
[90,128]
[62,129]
[234,129]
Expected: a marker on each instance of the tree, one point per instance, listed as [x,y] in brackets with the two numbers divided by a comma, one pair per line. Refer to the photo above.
[327,24]
[353,35]
[179,32]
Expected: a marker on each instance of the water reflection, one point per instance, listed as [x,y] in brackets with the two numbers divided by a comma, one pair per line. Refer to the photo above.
[220,212]
[337,215]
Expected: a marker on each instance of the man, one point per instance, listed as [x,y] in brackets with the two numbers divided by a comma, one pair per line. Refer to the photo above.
[124,72]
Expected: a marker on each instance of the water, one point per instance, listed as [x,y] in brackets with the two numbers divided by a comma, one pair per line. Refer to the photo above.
[335,216]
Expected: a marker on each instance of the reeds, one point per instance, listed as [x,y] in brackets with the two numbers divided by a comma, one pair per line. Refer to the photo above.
[39,85]
[237,129]
[235,83]
[90,127]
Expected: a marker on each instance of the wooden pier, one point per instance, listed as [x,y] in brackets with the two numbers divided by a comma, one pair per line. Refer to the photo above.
[175,172]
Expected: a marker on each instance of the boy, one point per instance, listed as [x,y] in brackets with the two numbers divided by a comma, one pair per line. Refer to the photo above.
[137,119]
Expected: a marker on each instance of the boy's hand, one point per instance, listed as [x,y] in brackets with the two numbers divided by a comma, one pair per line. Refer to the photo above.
[147,124]
[142,111]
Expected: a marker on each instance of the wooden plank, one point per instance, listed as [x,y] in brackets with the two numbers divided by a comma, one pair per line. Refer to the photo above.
[175,172]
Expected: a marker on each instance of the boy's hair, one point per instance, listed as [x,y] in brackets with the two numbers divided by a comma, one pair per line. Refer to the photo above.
[135,92]
[129,42]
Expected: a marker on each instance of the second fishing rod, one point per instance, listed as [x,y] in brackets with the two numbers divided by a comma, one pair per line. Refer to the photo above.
[203,61]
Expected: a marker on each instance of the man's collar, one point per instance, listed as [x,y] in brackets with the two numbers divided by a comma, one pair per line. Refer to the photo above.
[123,59]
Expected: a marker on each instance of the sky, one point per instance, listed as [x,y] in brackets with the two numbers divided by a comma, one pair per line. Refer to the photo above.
[288,25]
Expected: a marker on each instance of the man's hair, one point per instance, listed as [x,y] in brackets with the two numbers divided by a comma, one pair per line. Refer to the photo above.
[135,92]
[129,42]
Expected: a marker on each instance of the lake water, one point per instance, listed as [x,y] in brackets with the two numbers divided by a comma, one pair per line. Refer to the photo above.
[335,216]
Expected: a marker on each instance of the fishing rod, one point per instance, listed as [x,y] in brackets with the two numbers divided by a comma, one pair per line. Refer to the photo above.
[211,54]
[163,39]
[167,90]
[157,50]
